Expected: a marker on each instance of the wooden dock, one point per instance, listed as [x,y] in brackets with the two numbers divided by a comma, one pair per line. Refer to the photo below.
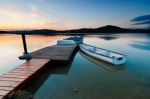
[57,53]
[20,76]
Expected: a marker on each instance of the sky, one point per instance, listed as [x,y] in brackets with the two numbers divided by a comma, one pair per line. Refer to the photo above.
[71,14]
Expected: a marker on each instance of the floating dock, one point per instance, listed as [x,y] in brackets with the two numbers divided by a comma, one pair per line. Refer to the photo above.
[20,76]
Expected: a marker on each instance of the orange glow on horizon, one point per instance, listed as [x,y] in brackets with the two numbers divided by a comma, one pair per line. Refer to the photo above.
[30,26]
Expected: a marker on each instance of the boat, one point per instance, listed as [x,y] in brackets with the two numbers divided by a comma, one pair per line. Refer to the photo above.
[70,40]
[77,39]
[66,42]
[105,65]
[103,54]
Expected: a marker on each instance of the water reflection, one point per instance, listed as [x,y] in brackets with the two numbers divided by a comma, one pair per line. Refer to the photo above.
[90,78]
[50,70]
[144,45]
[11,47]
[108,37]
[137,58]
[92,81]
[86,80]
[141,45]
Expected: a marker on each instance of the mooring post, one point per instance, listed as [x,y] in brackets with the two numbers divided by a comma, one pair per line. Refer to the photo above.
[24,43]
[25,55]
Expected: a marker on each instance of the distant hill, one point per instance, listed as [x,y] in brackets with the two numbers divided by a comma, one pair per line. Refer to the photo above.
[109,29]
[42,31]
[3,32]
[104,29]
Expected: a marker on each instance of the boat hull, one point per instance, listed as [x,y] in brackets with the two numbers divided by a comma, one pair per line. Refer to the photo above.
[106,65]
[66,42]
[102,57]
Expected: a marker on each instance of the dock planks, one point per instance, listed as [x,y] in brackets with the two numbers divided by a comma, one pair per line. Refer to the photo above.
[13,79]
[55,52]
[18,77]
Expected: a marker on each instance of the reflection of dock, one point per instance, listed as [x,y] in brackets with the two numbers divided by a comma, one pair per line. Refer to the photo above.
[23,74]
[103,64]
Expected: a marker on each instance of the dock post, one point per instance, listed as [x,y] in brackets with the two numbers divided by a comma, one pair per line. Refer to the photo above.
[25,55]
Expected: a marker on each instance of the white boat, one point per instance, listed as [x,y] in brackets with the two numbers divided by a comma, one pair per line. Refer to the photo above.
[66,42]
[103,54]
[107,66]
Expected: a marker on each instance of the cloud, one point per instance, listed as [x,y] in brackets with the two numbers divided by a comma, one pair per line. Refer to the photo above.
[143,23]
[34,11]
[10,12]
[15,17]
[14,12]
[141,20]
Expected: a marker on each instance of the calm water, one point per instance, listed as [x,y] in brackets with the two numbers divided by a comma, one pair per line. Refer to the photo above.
[86,78]
[11,47]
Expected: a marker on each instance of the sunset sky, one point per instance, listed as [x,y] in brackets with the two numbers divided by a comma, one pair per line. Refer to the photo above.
[70,14]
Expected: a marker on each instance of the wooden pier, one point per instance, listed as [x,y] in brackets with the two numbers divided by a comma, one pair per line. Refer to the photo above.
[57,53]
[20,76]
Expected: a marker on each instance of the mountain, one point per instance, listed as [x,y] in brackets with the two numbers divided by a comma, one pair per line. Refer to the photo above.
[110,29]
[42,31]
[104,29]
[3,32]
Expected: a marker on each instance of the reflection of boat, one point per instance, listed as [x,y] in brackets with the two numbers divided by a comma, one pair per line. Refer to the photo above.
[103,54]
[103,64]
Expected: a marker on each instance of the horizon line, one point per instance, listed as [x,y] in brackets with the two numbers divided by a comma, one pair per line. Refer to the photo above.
[28,29]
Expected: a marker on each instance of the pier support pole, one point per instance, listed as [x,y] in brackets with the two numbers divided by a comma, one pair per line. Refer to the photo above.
[25,55]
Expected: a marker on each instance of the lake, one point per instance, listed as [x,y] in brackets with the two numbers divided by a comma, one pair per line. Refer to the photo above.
[86,78]
[11,48]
